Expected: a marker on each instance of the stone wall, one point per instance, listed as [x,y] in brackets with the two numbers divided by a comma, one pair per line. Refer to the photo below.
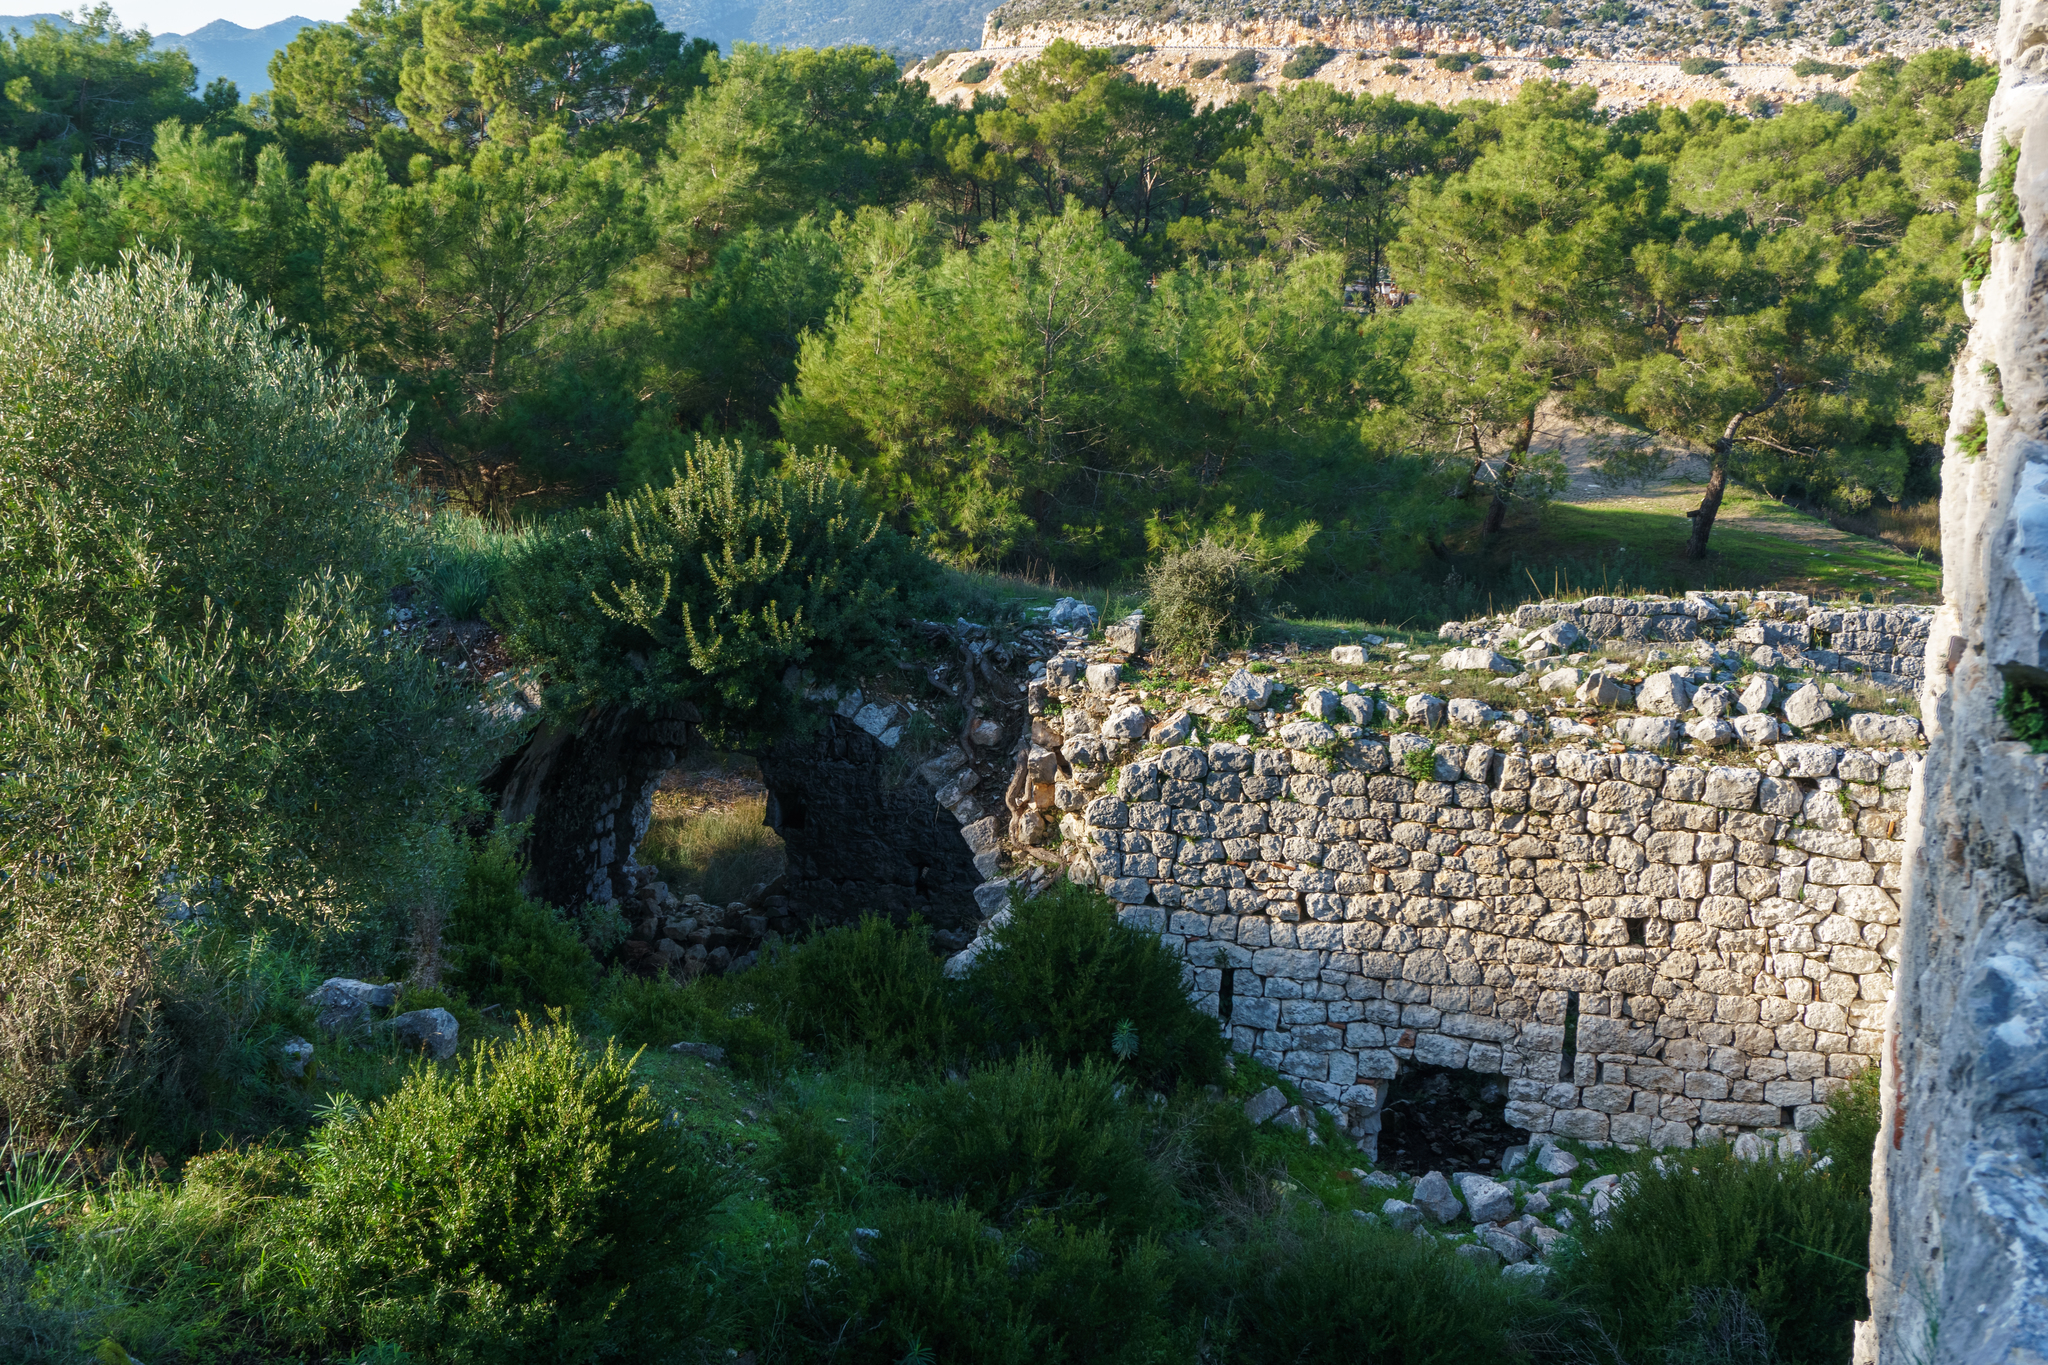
[1881,645]
[1648,949]
[1960,1247]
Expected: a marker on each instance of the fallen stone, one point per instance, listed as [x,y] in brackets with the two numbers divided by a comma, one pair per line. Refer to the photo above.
[1381,1180]
[1602,690]
[1401,1215]
[1649,732]
[1509,1248]
[345,1003]
[1562,679]
[1353,655]
[1712,699]
[1320,703]
[875,718]
[1664,694]
[1807,709]
[1564,727]
[293,1055]
[1425,710]
[1757,695]
[1869,727]
[1265,1104]
[710,1052]
[1748,1147]
[1471,713]
[1478,661]
[1526,1270]
[1514,1158]
[1556,1161]
[1711,731]
[1434,1197]
[1104,677]
[1252,691]
[1297,1117]
[991,897]
[1546,1239]
[1128,635]
[1126,722]
[1480,1254]
[1070,613]
[1561,635]
[1175,729]
[431,1031]
[1756,730]
[1486,1199]
[1360,709]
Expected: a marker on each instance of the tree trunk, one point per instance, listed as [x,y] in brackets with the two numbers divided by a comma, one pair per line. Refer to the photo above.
[1472,474]
[1717,484]
[1504,482]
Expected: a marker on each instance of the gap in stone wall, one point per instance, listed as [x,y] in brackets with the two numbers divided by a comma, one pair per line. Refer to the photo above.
[1444,1119]
[708,832]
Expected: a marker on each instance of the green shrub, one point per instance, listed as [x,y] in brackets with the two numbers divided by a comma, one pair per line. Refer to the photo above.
[1242,67]
[462,588]
[1064,976]
[1202,599]
[531,1206]
[1312,1288]
[1122,53]
[1847,1135]
[726,1011]
[1839,38]
[1810,66]
[702,592]
[940,1284]
[1420,764]
[1306,61]
[871,986]
[1203,66]
[1405,54]
[1394,69]
[2025,708]
[1789,1240]
[1701,66]
[1555,63]
[1452,61]
[1483,72]
[503,947]
[1026,1139]
[975,72]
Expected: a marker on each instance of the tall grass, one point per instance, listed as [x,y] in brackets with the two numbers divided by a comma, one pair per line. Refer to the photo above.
[468,559]
[1912,527]
[718,854]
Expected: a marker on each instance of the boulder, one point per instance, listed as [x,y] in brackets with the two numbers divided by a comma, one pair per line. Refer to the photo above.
[1553,1160]
[1252,691]
[1711,731]
[1104,677]
[1808,709]
[1126,722]
[1471,713]
[1758,694]
[1649,732]
[1600,689]
[1320,703]
[1351,655]
[1665,694]
[1509,1248]
[431,1031]
[1869,727]
[1713,700]
[1562,636]
[1478,661]
[1434,1197]
[1483,1256]
[1401,1215]
[1562,679]
[1425,710]
[1265,1104]
[1128,635]
[1360,710]
[1175,729]
[1756,730]
[1070,613]
[344,1003]
[1488,1200]
[1528,1270]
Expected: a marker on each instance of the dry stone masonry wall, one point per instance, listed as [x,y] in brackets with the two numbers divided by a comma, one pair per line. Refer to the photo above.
[1650,948]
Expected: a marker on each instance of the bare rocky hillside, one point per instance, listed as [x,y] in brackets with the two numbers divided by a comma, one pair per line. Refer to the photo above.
[1637,54]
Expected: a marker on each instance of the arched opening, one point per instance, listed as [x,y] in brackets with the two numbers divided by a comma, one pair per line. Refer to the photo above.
[708,833]
[1444,1119]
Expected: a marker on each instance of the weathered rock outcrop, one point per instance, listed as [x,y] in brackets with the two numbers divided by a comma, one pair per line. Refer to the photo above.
[1961,1237]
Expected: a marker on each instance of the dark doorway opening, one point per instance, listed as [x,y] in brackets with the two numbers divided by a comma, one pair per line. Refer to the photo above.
[1440,1119]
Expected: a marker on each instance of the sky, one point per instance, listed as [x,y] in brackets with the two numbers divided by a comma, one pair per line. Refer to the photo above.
[182,16]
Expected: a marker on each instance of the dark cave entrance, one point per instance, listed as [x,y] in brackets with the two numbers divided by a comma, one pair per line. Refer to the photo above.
[1442,1119]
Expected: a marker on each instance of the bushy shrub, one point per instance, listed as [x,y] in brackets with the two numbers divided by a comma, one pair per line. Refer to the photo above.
[198,521]
[1701,66]
[1306,61]
[1202,67]
[1312,1288]
[1847,1134]
[871,986]
[1202,599]
[1452,61]
[974,73]
[741,1014]
[1555,63]
[532,1206]
[502,946]
[1812,66]
[703,591]
[1066,978]
[939,1283]
[1241,68]
[1028,1139]
[1789,1240]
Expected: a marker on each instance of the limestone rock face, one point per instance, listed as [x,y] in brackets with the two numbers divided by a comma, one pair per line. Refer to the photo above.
[1960,1236]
